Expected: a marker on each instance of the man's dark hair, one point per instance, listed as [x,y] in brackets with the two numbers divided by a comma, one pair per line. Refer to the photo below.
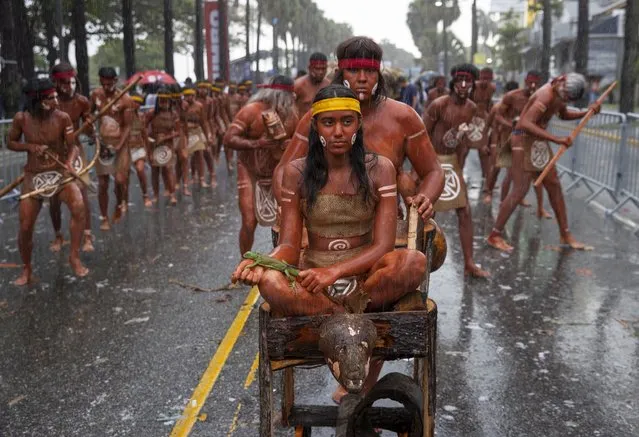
[36,89]
[318,56]
[463,68]
[537,73]
[511,85]
[281,79]
[107,72]
[301,73]
[62,67]
[362,47]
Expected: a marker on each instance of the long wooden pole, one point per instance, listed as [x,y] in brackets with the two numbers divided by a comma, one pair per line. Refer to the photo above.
[77,133]
[573,135]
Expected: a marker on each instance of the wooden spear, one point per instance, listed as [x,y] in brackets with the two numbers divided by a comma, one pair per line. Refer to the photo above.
[573,135]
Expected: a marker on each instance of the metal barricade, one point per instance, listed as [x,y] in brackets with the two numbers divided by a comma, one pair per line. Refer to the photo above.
[11,163]
[594,159]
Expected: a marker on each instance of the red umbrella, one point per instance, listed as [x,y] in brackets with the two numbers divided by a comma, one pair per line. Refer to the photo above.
[152,76]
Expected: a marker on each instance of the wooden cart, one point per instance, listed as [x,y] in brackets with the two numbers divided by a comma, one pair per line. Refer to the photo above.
[286,343]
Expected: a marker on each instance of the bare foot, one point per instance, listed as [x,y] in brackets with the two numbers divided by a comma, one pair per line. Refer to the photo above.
[497,241]
[570,241]
[104,225]
[230,168]
[24,278]
[203,184]
[77,267]
[147,202]
[56,244]
[474,271]
[166,193]
[488,199]
[117,214]
[338,394]
[524,203]
[213,181]
[88,243]
[542,213]
[173,200]
[154,200]
[186,191]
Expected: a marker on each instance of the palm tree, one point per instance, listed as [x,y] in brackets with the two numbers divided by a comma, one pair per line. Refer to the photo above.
[630,58]
[199,42]
[168,37]
[81,52]
[581,44]
[128,37]
[546,38]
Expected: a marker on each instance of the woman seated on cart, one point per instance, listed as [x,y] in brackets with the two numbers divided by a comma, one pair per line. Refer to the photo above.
[347,199]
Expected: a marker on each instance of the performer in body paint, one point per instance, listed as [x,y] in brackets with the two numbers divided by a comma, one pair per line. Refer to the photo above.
[225,118]
[506,113]
[48,134]
[260,148]
[308,85]
[482,94]
[531,153]
[235,99]
[447,120]
[138,147]
[114,159]
[203,90]
[78,107]
[164,122]
[438,90]
[196,137]
[244,90]
[346,199]
[391,129]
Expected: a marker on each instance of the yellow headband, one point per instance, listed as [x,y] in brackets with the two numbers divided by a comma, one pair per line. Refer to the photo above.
[204,85]
[137,99]
[188,92]
[165,96]
[336,104]
[216,89]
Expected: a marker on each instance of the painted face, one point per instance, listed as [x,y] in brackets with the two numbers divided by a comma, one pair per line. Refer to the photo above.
[462,87]
[189,98]
[164,103]
[440,84]
[66,87]
[317,73]
[337,128]
[108,83]
[49,102]
[363,81]
[202,92]
[531,84]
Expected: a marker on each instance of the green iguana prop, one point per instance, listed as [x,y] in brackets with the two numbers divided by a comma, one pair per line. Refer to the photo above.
[291,272]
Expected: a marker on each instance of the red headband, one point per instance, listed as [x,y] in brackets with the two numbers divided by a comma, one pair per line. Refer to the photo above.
[277,86]
[317,63]
[358,63]
[42,93]
[463,75]
[64,74]
[533,78]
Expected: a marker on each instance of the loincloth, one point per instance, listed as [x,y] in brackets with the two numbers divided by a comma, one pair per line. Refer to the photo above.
[504,154]
[454,194]
[111,161]
[162,156]
[50,178]
[475,133]
[537,153]
[265,203]
[137,153]
[196,140]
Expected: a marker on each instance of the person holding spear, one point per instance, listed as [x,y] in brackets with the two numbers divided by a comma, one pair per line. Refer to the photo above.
[531,153]
[51,147]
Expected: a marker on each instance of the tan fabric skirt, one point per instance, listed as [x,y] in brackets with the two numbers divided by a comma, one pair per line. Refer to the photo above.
[454,194]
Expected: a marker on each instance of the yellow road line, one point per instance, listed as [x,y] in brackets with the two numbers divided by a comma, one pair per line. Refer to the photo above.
[233,427]
[183,426]
[251,375]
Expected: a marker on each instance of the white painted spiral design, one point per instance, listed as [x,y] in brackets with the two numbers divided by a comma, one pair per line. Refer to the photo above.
[339,245]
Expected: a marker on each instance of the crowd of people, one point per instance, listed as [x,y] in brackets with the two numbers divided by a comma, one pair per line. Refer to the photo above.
[321,164]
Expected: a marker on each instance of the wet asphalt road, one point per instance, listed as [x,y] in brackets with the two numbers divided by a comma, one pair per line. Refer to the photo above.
[550,345]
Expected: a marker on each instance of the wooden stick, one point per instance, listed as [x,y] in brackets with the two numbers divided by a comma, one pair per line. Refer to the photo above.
[413,217]
[71,171]
[106,107]
[573,135]
[12,185]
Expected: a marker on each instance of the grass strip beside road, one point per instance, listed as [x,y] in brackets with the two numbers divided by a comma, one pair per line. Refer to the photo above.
[183,426]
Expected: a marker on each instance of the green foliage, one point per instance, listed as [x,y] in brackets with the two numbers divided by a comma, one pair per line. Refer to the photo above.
[510,42]
[399,58]
[149,55]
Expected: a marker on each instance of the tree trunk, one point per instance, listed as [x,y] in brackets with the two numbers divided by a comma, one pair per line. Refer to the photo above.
[168,37]
[49,34]
[286,54]
[59,23]
[81,51]
[10,76]
[581,46]
[258,74]
[445,47]
[23,40]
[630,58]
[276,58]
[546,39]
[474,32]
[247,29]
[128,37]
[199,42]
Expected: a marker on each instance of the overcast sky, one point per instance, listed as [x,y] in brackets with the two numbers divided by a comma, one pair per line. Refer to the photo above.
[377,19]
